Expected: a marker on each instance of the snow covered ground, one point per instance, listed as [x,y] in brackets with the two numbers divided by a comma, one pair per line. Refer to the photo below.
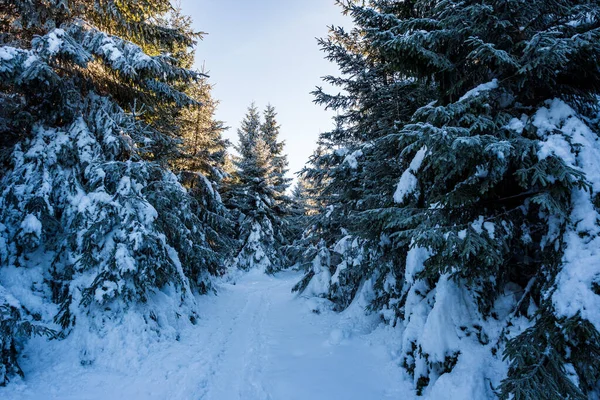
[255,341]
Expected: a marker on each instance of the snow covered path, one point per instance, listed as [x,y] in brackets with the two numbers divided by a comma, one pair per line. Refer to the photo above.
[256,341]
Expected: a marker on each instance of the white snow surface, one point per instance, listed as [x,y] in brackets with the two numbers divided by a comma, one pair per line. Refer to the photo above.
[493,84]
[255,340]
[55,40]
[31,225]
[567,136]
[408,181]
[7,53]
[351,159]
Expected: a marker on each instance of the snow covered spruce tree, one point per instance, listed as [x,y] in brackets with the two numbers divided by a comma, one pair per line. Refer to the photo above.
[480,241]
[200,167]
[270,132]
[256,193]
[300,252]
[200,160]
[312,248]
[203,148]
[303,205]
[347,173]
[95,231]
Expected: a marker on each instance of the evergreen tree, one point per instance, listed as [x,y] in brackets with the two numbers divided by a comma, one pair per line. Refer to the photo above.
[473,124]
[270,133]
[347,170]
[283,204]
[203,146]
[200,165]
[88,212]
[303,203]
[299,220]
[254,194]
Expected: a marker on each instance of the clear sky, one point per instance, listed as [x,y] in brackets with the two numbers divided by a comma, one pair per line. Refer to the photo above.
[266,51]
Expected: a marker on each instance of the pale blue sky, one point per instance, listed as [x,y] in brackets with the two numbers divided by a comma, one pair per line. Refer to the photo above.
[266,51]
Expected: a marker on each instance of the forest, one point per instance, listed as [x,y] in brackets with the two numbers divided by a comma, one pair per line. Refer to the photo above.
[451,216]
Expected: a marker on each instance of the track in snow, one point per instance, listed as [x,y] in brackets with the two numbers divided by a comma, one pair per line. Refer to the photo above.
[256,341]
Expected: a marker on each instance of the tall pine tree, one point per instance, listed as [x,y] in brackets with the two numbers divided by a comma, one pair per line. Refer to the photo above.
[270,133]
[200,165]
[91,218]
[465,199]
[347,171]
[256,193]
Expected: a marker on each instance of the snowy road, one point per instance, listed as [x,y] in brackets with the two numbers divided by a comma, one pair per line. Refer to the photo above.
[256,341]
